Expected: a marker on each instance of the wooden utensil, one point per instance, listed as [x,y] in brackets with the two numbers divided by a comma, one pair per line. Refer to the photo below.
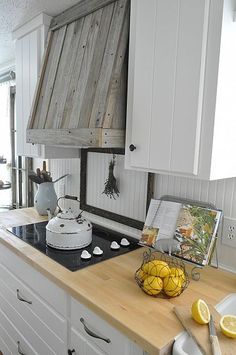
[200,333]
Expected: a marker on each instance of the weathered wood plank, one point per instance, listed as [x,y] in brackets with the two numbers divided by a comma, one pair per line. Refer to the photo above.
[83,77]
[50,76]
[76,72]
[68,73]
[85,69]
[82,9]
[75,137]
[112,138]
[85,110]
[33,119]
[52,117]
[78,137]
[119,111]
[114,94]
[37,123]
[100,99]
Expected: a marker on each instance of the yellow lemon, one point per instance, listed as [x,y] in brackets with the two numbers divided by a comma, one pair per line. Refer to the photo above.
[200,312]
[142,275]
[172,286]
[228,326]
[156,268]
[177,272]
[152,285]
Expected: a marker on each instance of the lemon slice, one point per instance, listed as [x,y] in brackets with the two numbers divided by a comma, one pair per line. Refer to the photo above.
[228,326]
[200,312]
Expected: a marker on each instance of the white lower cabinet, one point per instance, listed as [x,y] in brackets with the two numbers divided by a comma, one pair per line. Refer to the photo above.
[81,346]
[96,335]
[39,318]
[33,310]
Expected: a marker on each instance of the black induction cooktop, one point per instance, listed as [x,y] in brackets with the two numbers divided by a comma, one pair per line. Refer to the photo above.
[35,235]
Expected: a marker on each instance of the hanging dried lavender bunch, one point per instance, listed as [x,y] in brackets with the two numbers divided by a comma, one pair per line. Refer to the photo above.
[111,189]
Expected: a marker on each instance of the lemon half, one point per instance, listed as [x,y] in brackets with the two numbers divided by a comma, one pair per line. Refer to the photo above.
[228,326]
[200,312]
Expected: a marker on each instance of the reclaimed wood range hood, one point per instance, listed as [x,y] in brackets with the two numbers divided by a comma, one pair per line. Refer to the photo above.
[80,98]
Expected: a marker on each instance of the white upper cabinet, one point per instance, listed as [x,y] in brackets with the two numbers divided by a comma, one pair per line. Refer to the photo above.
[29,46]
[181,115]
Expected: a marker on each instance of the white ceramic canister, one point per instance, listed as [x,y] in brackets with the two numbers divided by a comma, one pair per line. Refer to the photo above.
[45,198]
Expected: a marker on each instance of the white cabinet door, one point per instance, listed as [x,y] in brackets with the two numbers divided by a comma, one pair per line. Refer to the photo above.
[181,110]
[168,62]
[30,312]
[28,59]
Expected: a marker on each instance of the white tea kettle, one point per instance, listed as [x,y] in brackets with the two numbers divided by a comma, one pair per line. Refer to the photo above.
[68,231]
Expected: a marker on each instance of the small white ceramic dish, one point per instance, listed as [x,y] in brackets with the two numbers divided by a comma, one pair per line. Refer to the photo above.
[115,245]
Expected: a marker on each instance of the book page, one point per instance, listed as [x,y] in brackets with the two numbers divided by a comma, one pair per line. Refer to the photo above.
[166,218]
[184,230]
[196,231]
[160,221]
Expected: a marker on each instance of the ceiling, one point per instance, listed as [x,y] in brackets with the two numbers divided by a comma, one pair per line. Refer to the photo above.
[14,13]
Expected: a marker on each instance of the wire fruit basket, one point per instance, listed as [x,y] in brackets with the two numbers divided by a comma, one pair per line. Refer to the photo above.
[161,275]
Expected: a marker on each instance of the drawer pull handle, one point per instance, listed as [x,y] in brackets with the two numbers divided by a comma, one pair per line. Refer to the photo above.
[19,349]
[92,334]
[20,298]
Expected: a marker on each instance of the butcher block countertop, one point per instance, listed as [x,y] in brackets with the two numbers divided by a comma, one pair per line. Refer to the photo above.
[109,289]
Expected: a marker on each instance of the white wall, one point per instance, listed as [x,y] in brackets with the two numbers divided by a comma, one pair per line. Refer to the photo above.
[221,193]
[127,205]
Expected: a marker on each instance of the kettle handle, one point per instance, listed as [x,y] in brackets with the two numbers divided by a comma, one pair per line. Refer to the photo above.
[67,197]
[70,197]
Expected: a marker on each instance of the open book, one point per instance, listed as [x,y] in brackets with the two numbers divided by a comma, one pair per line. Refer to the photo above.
[188,230]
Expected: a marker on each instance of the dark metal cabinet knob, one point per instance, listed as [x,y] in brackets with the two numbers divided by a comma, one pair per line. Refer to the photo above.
[70,352]
[132,147]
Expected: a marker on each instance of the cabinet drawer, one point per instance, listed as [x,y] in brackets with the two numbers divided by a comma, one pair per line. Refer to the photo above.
[48,324]
[22,328]
[81,346]
[39,284]
[118,344]
[4,342]
[14,339]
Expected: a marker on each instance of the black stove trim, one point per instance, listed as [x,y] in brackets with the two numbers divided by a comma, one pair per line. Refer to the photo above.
[35,235]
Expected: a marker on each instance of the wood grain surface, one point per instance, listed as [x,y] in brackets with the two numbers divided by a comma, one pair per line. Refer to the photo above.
[83,82]
[109,289]
[83,8]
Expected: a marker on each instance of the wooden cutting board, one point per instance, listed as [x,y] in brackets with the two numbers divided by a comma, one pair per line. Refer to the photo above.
[200,333]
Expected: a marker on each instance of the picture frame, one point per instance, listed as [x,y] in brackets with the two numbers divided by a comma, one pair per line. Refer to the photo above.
[85,206]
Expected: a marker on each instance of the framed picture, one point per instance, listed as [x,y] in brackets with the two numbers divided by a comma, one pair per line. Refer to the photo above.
[129,204]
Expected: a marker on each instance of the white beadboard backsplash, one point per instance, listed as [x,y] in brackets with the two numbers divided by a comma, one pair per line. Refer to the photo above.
[221,193]
[59,167]
[131,203]
[131,184]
